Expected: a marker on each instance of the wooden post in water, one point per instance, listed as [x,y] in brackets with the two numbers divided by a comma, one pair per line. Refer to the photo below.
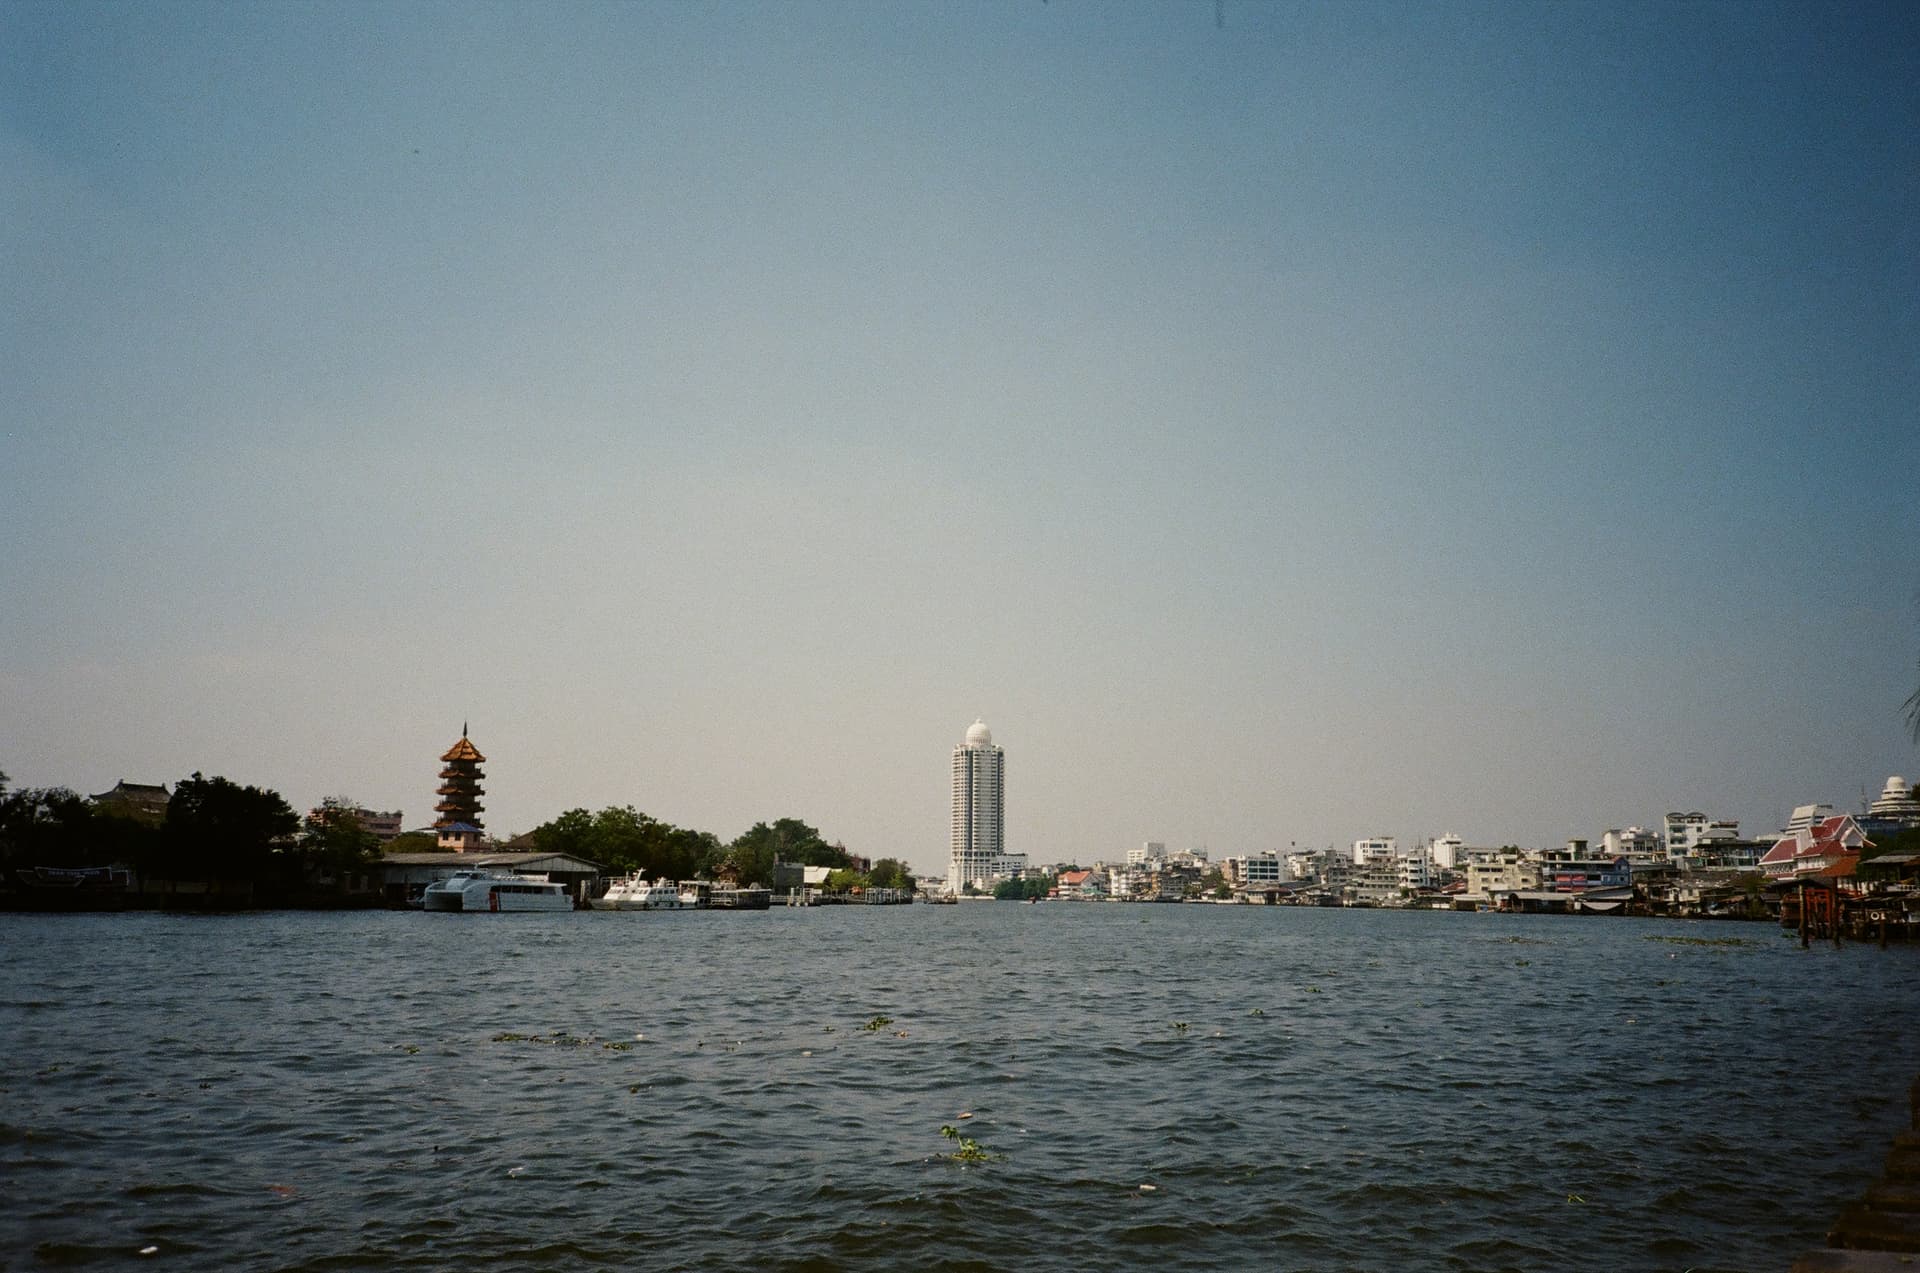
[1803,917]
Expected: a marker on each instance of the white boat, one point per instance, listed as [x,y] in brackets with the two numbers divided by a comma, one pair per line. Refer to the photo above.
[636,893]
[481,890]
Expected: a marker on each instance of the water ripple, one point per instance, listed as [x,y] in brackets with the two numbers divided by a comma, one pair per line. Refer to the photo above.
[1213,1087]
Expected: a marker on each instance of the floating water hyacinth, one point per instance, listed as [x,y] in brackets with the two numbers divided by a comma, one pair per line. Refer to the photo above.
[969,1150]
[877,1024]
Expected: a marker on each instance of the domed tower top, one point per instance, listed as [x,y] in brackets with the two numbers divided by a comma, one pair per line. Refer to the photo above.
[979,735]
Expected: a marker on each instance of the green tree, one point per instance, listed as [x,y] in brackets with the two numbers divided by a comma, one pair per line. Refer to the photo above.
[46,826]
[412,842]
[219,828]
[750,858]
[846,879]
[336,843]
[567,833]
[891,873]
[622,839]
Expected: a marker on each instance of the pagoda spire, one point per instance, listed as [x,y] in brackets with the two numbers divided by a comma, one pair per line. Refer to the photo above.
[460,788]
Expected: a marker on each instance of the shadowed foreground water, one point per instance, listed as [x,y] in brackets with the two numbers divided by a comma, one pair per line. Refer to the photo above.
[1351,1090]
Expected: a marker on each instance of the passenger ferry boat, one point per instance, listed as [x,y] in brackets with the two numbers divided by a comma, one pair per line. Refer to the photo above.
[636,893]
[480,890]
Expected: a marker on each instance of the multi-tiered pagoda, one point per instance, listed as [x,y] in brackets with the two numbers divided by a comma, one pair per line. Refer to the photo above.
[459,822]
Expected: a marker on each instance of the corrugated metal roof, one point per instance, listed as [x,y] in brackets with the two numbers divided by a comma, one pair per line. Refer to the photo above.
[487,859]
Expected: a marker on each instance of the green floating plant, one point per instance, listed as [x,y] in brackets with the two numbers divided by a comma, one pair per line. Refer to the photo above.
[877,1024]
[969,1150]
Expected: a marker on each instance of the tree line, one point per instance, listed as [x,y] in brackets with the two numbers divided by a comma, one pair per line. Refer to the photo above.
[212,829]
[622,839]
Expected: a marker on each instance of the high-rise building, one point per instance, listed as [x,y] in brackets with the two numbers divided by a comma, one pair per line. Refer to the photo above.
[978,805]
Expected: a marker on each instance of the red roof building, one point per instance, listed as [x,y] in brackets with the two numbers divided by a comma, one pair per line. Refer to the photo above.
[1811,851]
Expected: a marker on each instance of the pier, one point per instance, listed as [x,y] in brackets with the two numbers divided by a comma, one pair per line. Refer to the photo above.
[1880,1232]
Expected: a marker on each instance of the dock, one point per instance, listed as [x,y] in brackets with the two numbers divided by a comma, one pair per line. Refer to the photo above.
[1881,1232]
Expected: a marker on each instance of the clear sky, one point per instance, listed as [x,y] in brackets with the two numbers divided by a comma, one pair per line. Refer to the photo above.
[1282,422]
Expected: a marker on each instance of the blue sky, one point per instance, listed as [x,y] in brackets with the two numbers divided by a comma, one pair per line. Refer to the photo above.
[1345,419]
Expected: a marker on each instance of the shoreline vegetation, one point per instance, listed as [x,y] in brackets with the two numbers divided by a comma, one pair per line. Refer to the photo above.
[214,844]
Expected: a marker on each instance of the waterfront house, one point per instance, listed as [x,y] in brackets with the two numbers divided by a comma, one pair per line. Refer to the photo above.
[1079,886]
[1812,847]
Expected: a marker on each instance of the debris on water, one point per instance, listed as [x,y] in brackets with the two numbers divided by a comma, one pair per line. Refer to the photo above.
[1258,1012]
[965,1113]
[806,1051]
[1574,1197]
[1148,1188]
[1181,1026]
[899,1034]
[285,1191]
[877,1023]
[516,1171]
[149,1250]
[970,1149]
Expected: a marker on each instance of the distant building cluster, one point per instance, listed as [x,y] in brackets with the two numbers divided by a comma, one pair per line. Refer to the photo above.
[1689,860]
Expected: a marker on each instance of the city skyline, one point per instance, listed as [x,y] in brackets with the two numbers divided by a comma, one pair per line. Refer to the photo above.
[1326,421]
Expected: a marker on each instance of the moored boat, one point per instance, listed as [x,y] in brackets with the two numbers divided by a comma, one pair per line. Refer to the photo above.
[481,890]
[636,893]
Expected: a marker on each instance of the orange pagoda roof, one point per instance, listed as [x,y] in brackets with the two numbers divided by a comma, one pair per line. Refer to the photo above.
[463,750]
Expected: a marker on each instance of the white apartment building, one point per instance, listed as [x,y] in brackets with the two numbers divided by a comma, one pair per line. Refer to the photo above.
[1151,851]
[1686,832]
[1414,872]
[1377,848]
[1445,851]
[1505,871]
[979,801]
[1261,868]
[1634,842]
[1897,802]
[1377,882]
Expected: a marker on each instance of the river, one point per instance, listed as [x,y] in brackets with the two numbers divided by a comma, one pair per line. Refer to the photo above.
[1180,1087]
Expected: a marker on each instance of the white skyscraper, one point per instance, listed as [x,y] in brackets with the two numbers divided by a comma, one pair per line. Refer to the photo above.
[978,791]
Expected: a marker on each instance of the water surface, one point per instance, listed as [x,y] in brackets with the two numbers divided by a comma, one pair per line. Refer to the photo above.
[1175,1086]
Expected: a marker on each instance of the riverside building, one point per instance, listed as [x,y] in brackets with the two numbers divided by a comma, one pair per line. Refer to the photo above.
[979,790]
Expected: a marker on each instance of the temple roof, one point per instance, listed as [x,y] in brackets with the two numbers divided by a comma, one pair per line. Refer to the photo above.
[463,750]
